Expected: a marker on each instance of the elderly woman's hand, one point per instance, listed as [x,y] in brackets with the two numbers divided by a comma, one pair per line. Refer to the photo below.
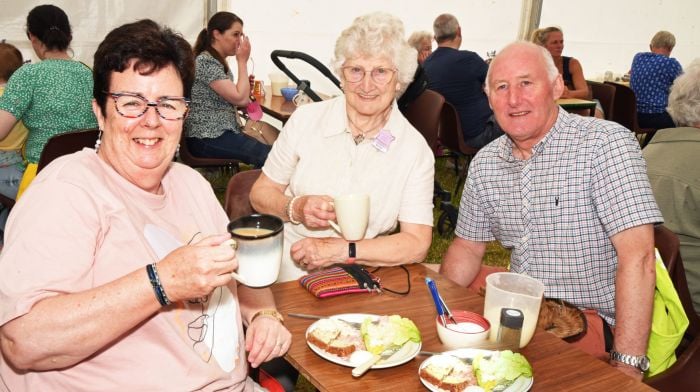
[193,271]
[314,211]
[313,253]
[266,338]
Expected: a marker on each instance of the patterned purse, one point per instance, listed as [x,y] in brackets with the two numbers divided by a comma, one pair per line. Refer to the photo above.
[339,280]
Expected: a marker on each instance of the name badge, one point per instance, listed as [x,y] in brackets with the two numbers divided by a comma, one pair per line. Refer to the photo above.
[383,140]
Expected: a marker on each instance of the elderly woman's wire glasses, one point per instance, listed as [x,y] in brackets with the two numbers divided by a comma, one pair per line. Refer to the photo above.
[380,75]
[132,105]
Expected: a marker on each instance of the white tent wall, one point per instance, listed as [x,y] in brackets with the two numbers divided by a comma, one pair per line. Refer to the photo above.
[603,34]
[91,20]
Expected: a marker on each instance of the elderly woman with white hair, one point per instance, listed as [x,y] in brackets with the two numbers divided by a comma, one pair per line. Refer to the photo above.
[672,164]
[358,143]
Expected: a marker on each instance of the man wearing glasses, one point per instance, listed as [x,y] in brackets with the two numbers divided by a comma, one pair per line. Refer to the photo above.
[459,76]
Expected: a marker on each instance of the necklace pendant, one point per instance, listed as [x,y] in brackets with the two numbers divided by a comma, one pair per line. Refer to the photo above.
[359,138]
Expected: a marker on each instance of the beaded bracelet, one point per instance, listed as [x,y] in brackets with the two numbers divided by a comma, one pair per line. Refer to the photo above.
[157,287]
[290,210]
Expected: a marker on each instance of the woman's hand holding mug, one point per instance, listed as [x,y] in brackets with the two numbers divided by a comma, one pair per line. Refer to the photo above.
[315,211]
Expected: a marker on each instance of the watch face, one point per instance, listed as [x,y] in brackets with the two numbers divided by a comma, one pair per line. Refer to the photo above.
[644,363]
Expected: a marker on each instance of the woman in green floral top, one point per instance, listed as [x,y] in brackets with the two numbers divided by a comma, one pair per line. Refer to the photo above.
[211,126]
[51,97]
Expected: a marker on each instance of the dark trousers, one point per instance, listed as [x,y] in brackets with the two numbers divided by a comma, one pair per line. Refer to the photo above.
[655,120]
[230,145]
[491,132]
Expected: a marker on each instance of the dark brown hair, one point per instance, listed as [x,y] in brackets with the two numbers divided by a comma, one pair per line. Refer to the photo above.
[220,21]
[50,25]
[10,60]
[151,46]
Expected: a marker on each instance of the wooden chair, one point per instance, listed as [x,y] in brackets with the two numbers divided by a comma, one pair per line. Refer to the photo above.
[66,143]
[683,374]
[237,197]
[190,160]
[625,112]
[451,137]
[424,114]
[605,94]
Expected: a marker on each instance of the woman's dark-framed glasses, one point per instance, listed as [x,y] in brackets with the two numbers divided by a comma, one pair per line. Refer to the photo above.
[380,75]
[133,105]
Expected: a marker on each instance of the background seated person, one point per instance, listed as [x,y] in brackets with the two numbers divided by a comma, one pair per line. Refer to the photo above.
[459,76]
[212,129]
[584,237]
[651,76]
[11,146]
[132,279]
[570,69]
[50,97]
[422,41]
[356,143]
[672,161]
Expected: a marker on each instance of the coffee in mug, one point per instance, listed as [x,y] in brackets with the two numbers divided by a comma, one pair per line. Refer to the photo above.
[352,214]
[258,240]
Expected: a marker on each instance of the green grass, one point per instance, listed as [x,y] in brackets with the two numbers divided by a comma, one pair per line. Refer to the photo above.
[445,175]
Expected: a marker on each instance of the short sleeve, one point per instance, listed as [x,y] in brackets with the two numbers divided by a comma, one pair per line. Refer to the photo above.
[18,93]
[417,197]
[473,223]
[284,155]
[43,233]
[621,190]
[209,69]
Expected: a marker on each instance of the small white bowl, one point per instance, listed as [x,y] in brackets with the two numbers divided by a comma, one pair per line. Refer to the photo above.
[471,329]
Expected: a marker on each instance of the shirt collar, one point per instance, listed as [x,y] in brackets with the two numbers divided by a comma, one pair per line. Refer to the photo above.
[505,146]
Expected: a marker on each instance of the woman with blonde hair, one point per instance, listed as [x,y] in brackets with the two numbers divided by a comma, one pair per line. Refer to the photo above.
[552,38]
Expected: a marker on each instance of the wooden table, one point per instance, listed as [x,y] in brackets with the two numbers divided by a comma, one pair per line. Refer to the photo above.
[276,106]
[556,364]
[570,104]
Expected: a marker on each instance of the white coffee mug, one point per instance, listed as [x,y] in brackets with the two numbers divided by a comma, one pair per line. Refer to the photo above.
[352,214]
[259,242]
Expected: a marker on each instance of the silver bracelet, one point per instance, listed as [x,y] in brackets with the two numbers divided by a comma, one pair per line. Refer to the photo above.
[290,210]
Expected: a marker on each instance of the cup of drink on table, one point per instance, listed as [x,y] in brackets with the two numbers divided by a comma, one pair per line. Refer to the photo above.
[515,291]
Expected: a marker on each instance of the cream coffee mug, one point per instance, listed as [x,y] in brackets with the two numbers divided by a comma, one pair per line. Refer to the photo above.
[352,214]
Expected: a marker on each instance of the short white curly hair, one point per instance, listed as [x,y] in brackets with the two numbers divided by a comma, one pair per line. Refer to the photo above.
[377,34]
[684,99]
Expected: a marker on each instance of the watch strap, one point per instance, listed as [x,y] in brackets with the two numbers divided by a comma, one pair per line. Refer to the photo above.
[640,362]
[269,313]
[352,253]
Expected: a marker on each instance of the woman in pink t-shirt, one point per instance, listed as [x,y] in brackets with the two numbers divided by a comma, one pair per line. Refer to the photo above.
[115,274]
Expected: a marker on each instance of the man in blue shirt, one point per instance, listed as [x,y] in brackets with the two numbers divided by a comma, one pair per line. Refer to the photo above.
[459,76]
[651,77]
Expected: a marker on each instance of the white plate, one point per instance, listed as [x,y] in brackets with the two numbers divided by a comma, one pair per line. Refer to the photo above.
[407,352]
[520,386]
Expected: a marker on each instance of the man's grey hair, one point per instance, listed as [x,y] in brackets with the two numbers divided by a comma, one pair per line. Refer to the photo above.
[445,27]
[550,67]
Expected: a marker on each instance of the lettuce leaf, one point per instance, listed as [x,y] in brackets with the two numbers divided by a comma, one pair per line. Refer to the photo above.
[388,332]
[500,369]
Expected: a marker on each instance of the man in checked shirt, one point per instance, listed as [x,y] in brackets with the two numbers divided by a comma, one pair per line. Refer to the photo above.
[570,197]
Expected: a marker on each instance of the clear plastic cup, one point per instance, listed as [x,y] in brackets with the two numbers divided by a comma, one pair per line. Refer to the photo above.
[511,290]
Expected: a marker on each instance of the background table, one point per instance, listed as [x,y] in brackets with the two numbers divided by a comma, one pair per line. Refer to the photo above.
[556,364]
[276,106]
[569,104]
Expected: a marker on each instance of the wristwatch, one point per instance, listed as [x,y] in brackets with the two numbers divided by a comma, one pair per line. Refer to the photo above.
[352,253]
[641,362]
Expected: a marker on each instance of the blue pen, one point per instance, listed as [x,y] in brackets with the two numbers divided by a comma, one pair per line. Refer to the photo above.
[436,299]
